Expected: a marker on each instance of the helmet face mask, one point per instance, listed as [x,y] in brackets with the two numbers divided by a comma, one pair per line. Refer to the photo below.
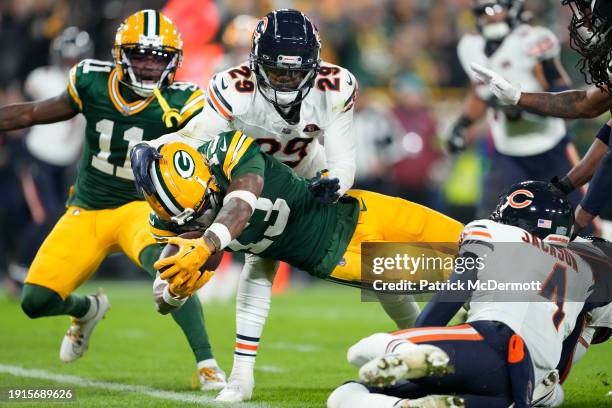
[70,47]
[148,51]
[496,18]
[538,208]
[185,190]
[285,57]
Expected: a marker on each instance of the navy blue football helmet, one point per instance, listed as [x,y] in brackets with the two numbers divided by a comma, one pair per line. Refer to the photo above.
[538,208]
[497,31]
[285,56]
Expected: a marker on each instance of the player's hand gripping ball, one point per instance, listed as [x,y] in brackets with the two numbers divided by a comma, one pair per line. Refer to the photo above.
[187,264]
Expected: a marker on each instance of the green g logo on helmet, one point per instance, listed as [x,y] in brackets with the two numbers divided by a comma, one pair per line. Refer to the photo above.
[184,164]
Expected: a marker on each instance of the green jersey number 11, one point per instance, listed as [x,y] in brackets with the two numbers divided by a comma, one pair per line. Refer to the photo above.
[100,161]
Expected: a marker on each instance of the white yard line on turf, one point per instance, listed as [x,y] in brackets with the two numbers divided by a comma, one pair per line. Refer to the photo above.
[137,389]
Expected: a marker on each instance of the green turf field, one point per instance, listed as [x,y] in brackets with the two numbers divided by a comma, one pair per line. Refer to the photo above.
[138,358]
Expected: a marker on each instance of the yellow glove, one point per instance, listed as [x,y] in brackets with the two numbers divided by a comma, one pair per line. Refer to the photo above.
[185,288]
[190,257]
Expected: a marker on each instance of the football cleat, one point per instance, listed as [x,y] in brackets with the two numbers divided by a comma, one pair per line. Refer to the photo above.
[239,388]
[433,401]
[422,361]
[76,340]
[209,379]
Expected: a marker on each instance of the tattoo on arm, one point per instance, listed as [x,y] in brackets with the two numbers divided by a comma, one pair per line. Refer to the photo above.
[571,104]
[236,213]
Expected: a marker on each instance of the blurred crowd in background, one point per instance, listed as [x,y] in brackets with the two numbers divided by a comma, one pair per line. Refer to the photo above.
[402,52]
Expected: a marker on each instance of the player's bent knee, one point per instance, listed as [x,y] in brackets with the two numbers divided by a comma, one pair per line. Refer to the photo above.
[368,348]
[341,396]
[38,301]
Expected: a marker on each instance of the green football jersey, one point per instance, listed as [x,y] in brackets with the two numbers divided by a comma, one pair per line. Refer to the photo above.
[288,224]
[115,125]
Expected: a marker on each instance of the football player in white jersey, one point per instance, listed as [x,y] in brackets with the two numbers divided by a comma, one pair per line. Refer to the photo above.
[527,146]
[511,340]
[288,100]
[591,36]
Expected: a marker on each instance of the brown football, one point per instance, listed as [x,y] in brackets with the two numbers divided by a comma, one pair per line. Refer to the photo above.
[210,265]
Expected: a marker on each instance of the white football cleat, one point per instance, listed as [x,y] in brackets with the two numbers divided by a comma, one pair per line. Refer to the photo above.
[433,401]
[76,340]
[239,388]
[211,378]
[421,361]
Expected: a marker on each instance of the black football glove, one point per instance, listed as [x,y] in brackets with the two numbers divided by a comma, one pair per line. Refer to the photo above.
[142,155]
[456,141]
[325,189]
[564,184]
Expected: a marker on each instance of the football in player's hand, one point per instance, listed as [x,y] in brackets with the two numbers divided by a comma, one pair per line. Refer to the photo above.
[210,265]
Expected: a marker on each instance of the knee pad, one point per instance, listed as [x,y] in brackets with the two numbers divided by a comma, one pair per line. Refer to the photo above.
[258,271]
[369,348]
[37,301]
[341,396]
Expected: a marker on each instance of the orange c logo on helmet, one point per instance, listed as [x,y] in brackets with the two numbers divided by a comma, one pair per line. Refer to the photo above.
[521,204]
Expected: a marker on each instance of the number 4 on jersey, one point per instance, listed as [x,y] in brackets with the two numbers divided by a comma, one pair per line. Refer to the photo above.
[555,286]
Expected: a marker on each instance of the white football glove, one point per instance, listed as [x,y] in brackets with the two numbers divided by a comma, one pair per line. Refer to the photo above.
[507,93]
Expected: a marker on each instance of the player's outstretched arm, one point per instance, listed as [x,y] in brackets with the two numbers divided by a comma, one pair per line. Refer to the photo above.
[21,115]
[572,104]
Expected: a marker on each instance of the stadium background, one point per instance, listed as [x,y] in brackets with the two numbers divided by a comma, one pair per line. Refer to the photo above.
[403,53]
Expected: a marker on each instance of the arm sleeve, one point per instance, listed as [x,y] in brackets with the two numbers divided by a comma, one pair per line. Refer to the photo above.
[604,133]
[446,303]
[600,188]
[340,150]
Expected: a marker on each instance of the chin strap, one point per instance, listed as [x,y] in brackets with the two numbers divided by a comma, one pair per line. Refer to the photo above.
[170,114]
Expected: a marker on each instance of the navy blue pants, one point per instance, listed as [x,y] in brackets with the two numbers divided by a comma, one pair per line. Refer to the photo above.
[46,188]
[507,170]
[484,375]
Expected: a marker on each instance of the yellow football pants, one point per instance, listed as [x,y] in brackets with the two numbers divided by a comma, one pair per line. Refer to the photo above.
[390,219]
[81,239]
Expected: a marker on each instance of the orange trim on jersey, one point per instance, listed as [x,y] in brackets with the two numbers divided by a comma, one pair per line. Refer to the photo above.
[245,346]
[445,337]
[516,349]
[126,108]
[416,329]
[583,342]
[219,107]
[558,239]
[481,233]
[72,88]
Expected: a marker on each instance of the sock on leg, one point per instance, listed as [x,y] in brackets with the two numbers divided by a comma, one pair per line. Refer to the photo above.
[252,308]
[355,395]
[38,301]
[403,309]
